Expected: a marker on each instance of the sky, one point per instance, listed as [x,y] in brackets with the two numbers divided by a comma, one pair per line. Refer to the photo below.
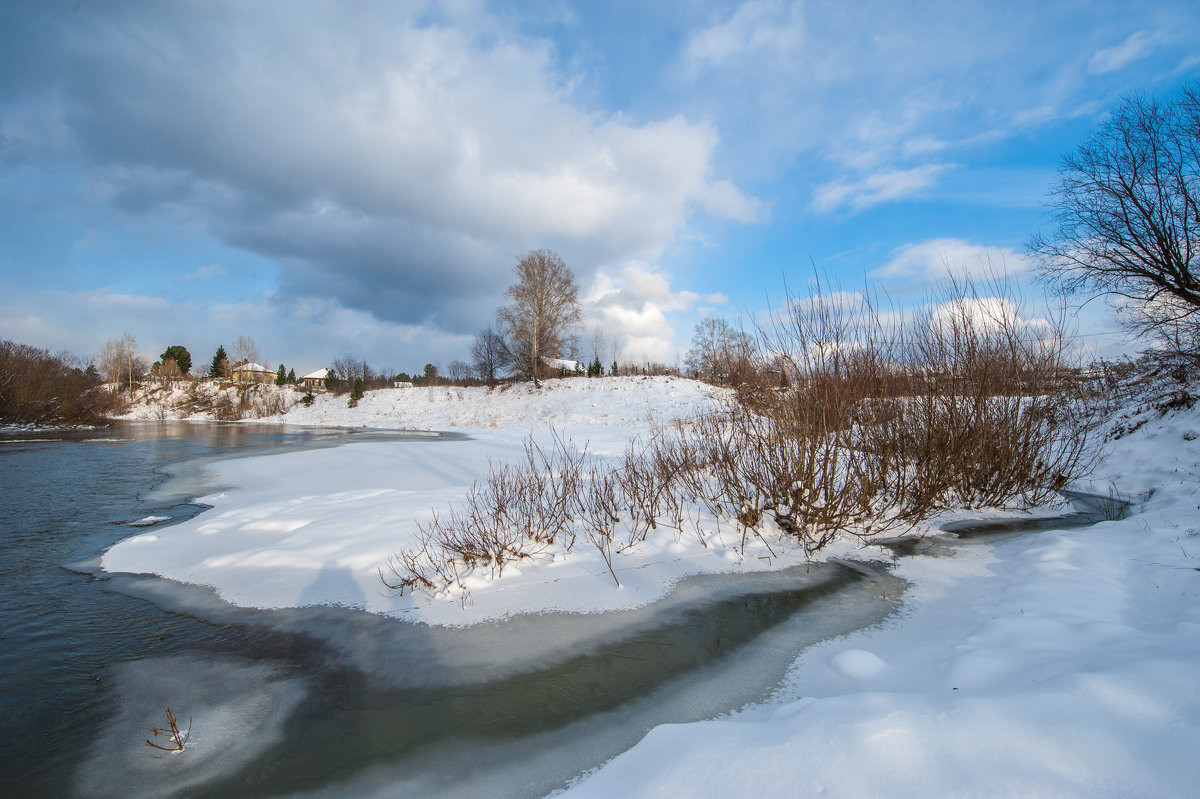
[334,178]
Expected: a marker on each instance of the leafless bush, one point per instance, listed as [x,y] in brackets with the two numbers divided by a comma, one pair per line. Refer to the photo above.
[224,409]
[171,739]
[520,511]
[600,507]
[867,423]
[37,387]
[269,401]
[886,423]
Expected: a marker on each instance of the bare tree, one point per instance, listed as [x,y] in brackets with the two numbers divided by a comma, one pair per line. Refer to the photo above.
[1127,215]
[344,370]
[119,361]
[459,371]
[245,350]
[719,350]
[490,355]
[544,309]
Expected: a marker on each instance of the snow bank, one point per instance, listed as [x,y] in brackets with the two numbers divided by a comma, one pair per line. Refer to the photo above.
[316,527]
[604,401]
[566,404]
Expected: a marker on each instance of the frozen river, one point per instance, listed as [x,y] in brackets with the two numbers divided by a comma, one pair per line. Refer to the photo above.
[330,701]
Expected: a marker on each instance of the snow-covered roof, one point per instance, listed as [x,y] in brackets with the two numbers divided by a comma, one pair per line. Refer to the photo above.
[320,374]
[562,363]
[251,367]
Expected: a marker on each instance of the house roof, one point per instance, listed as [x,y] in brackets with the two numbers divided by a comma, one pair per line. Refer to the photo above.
[320,374]
[251,367]
[562,363]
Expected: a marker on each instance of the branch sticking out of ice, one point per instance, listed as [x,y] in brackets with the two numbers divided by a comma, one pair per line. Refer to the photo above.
[239,710]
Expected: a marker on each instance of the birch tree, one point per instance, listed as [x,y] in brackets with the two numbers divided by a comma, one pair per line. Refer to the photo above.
[544,309]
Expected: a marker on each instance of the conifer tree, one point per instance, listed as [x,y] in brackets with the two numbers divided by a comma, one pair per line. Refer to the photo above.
[280,376]
[220,363]
[179,354]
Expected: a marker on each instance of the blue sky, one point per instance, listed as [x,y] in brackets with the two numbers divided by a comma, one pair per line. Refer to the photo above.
[360,178]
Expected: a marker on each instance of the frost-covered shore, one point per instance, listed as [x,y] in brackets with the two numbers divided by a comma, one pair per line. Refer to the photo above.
[1059,664]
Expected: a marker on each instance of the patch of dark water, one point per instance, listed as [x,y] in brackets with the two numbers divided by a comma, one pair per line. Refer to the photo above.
[68,495]
[509,708]
[1088,509]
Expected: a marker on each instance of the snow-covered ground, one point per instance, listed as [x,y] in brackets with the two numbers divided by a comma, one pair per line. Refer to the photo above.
[1060,663]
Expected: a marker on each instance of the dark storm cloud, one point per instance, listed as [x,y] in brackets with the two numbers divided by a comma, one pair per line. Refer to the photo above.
[389,162]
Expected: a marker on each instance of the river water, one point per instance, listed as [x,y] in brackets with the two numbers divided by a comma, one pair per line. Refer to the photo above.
[331,701]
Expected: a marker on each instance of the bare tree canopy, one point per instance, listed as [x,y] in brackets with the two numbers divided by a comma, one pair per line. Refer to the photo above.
[119,361]
[1126,215]
[490,355]
[245,350]
[544,309]
[718,351]
[459,371]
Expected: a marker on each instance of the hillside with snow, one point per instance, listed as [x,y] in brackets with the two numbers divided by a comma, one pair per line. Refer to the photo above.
[591,402]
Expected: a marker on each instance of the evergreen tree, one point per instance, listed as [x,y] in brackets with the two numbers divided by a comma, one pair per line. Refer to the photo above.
[291,377]
[220,363]
[614,368]
[179,354]
[356,392]
[595,368]
[280,376]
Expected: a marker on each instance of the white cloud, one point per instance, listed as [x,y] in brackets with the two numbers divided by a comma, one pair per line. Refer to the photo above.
[876,188]
[631,304]
[935,259]
[118,304]
[1110,59]
[987,315]
[355,149]
[758,27]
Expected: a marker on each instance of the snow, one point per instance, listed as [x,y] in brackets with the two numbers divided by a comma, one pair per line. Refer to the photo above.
[1058,664]
[149,521]
[1055,663]
[625,402]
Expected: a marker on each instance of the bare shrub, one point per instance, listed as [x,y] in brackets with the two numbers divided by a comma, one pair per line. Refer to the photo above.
[39,388]
[224,409]
[518,512]
[169,739]
[600,507]
[867,423]
[885,423]
[269,402]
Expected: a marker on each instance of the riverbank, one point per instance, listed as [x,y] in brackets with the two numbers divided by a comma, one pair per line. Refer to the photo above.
[629,402]
[1059,663]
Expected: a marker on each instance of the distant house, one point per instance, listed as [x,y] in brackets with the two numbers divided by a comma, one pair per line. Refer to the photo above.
[252,373]
[563,365]
[315,379]
[401,384]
